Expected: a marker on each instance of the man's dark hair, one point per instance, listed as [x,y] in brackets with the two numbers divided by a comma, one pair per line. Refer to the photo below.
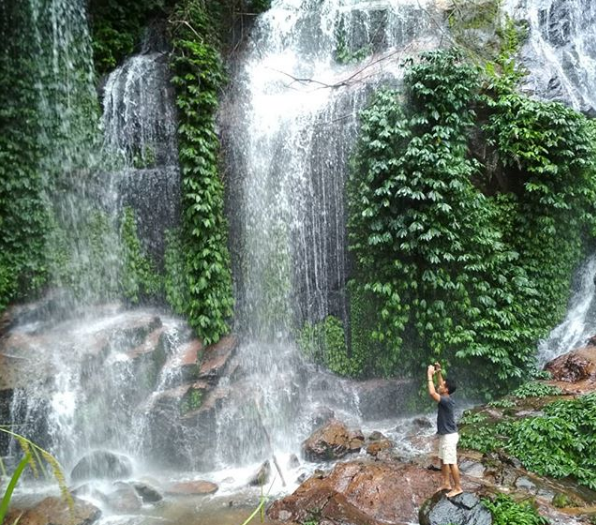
[451,385]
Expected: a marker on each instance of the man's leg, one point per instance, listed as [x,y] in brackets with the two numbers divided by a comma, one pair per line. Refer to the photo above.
[446,484]
[456,481]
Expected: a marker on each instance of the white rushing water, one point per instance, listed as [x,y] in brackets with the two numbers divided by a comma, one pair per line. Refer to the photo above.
[579,323]
[289,123]
[560,52]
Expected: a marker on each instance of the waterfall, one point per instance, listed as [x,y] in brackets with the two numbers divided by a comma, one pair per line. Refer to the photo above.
[580,322]
[289,123]
[79,370]
[139,125]
[560,52]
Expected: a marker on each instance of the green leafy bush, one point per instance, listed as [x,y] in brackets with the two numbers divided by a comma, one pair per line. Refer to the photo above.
[506,511]
[460,202]
[560,443]
[536,389]
[116,28]
[325,343]
[139,280]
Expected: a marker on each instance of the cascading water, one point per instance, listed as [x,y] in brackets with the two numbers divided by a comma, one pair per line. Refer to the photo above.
[560,52]
[295,100]
[79,375]
[139,124]
[110,378]
[580,323]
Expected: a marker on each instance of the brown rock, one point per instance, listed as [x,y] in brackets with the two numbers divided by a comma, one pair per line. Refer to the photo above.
[332,441]
[377,446]
[55,511]
[187,488]
[216,357]
[361,492]
[574,366]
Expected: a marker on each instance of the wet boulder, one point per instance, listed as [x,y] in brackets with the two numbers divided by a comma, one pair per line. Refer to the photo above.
[56,511]
[102,464]
[575,366]
[362,492]
[190,488]
[262,476]
[333,441]
[464,509]
[147,493]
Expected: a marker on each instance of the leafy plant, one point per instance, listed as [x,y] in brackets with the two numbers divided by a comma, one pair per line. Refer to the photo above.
[37,459]
[116,28]
[325,343]
[502,403]
[536,389]
[198,75]
[456,258]
[139,280]
[506,511]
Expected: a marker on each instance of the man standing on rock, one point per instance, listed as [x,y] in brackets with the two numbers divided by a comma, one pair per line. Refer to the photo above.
[446,428]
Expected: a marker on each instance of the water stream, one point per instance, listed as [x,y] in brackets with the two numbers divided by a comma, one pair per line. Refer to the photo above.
[560,52]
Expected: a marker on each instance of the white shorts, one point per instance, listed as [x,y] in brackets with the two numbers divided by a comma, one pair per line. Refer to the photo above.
[448,448]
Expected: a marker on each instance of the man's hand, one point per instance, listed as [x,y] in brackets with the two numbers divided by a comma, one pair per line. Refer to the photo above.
[437,367]
[430,371]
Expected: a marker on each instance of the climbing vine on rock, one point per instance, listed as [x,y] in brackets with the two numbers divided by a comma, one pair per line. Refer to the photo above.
[461,262]
[198,76]
[139,280]
[22,210]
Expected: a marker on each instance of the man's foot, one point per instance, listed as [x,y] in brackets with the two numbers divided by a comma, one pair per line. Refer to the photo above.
[454,493]
[444,487]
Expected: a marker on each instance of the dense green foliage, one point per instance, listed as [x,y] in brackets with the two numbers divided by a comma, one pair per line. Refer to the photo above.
[22,211]
[325,343]
[458,260]
[506,511]
[207,300]
[561,442]
[536,389]
[116,28]
[139,280]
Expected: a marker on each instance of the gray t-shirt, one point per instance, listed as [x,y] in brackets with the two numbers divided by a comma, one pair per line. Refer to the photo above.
[445,416]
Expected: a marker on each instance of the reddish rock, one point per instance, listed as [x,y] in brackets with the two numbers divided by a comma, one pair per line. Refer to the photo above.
[56,511]
[190,352]
[192,488]
[216,356]
[377,446]
[361,493]
[575,372]
[331,442]
[151,343]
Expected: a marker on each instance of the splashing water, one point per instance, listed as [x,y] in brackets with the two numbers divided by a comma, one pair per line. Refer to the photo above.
[290,121]
[580,322]
[560,53]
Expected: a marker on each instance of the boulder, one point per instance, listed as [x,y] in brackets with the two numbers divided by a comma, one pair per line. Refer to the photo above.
[361,492]
[378,446]
[262,476]
[464,509]
[575,366]
[333,441]
[216,357]
[102,464]
[56,511]
[190,488]
[147,493]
